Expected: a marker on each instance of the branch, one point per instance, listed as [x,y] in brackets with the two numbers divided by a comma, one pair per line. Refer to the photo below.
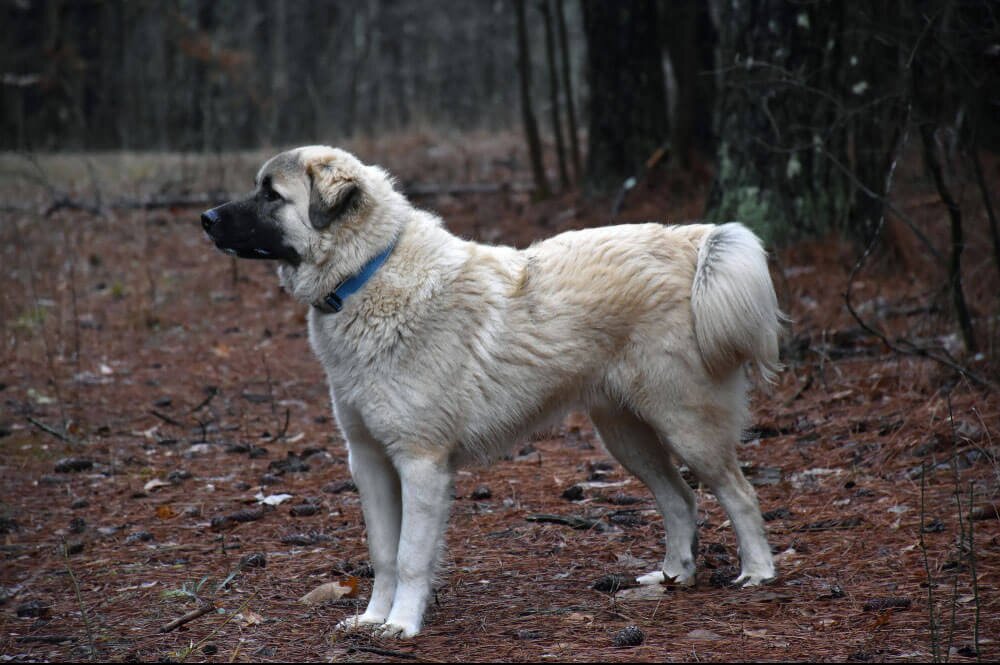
[187,618]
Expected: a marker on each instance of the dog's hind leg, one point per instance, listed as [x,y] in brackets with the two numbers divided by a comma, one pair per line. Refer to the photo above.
[708,446]
[378,485]
[635,444]
[426,489]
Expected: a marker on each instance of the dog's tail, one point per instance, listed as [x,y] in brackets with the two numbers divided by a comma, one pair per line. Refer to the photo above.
[736,315]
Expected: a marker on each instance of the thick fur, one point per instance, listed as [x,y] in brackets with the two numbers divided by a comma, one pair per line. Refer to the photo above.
[454,350]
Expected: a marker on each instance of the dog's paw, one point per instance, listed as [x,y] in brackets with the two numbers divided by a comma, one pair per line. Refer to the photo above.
[660,577]
[746,580]
[359,621]
[397,630]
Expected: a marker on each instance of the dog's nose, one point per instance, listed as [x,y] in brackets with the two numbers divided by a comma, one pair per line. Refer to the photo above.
[208,218]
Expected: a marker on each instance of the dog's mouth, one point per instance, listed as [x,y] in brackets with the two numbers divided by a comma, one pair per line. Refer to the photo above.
[263,243]
[244,253]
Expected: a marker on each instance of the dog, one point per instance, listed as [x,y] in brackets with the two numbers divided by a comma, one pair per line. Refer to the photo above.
[441,352]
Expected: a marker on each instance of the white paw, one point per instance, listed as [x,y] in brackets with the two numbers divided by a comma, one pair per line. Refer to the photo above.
[754,579]
[362,621]
[649,579]
[661,577]
[397,629]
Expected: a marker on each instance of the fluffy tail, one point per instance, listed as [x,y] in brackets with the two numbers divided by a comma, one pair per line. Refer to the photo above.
[736,315]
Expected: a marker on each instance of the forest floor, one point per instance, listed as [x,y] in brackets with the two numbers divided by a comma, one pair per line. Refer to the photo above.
[152,389]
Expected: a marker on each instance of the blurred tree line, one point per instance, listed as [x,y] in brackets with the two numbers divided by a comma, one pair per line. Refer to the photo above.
[801,104]
[234,74]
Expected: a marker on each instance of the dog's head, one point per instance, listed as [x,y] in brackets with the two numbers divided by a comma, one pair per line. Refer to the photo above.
[302,201]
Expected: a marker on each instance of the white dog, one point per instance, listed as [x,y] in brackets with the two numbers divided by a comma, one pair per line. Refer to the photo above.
[441,352]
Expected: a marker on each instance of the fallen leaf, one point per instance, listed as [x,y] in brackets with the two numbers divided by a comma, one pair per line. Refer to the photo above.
[702,634]
[645,592]
[626,560]
[221,350]
[165,512]
[580,616]
[248,618]
[755,632]
[331,591]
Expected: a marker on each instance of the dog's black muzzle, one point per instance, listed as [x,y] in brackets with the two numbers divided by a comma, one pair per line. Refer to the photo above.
[239,229]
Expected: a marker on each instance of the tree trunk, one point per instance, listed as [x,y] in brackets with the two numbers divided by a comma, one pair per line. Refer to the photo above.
[550,59]
[528,115]
[628,99]
[567,81]
[690,40]
[804,121]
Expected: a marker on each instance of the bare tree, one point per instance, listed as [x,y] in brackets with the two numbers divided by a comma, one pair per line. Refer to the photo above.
[528,115]
[628,99]
[550,59]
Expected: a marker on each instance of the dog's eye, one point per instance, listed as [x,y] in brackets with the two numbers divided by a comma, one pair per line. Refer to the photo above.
[271,195]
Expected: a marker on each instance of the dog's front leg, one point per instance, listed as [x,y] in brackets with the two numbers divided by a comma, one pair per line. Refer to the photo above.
[378,485]
[426,487]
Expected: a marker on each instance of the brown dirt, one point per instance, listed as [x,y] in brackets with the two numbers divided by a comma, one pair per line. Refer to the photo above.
[166,357]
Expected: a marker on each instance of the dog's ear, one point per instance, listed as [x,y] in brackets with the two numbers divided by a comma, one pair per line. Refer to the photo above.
[334,196]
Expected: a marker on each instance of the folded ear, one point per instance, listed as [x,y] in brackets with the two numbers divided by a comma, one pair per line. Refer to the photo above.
[333,196]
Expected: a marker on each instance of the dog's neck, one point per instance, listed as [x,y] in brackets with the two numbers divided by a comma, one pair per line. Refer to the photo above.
[340,255]
[333,302]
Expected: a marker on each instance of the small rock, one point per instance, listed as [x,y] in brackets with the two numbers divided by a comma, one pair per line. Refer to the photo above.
[242,486]
[481,493]
[933,526]
[340,486]
[529,634]
[74,547]
[256,452]
[138,537]
[777,514]
[238,448]
[291,464]
[49,479]
[254,560]
[304,510]
[836,591]
[210,649]
[163,402]
[573,493]
[621,499]
[197,450]
[108,531]
[702,634]
[33,609]
[178,476]
[269,479]
[79,503]
[247,515]
[630,636]
[990,511]
[306,539]
[8,525]
[222,522]
[192,511]
[73,465]
[614,583]
[966,651]
[626,518]
[77,525]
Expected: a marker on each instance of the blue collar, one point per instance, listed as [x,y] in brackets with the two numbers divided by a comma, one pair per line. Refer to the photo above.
[333,302]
